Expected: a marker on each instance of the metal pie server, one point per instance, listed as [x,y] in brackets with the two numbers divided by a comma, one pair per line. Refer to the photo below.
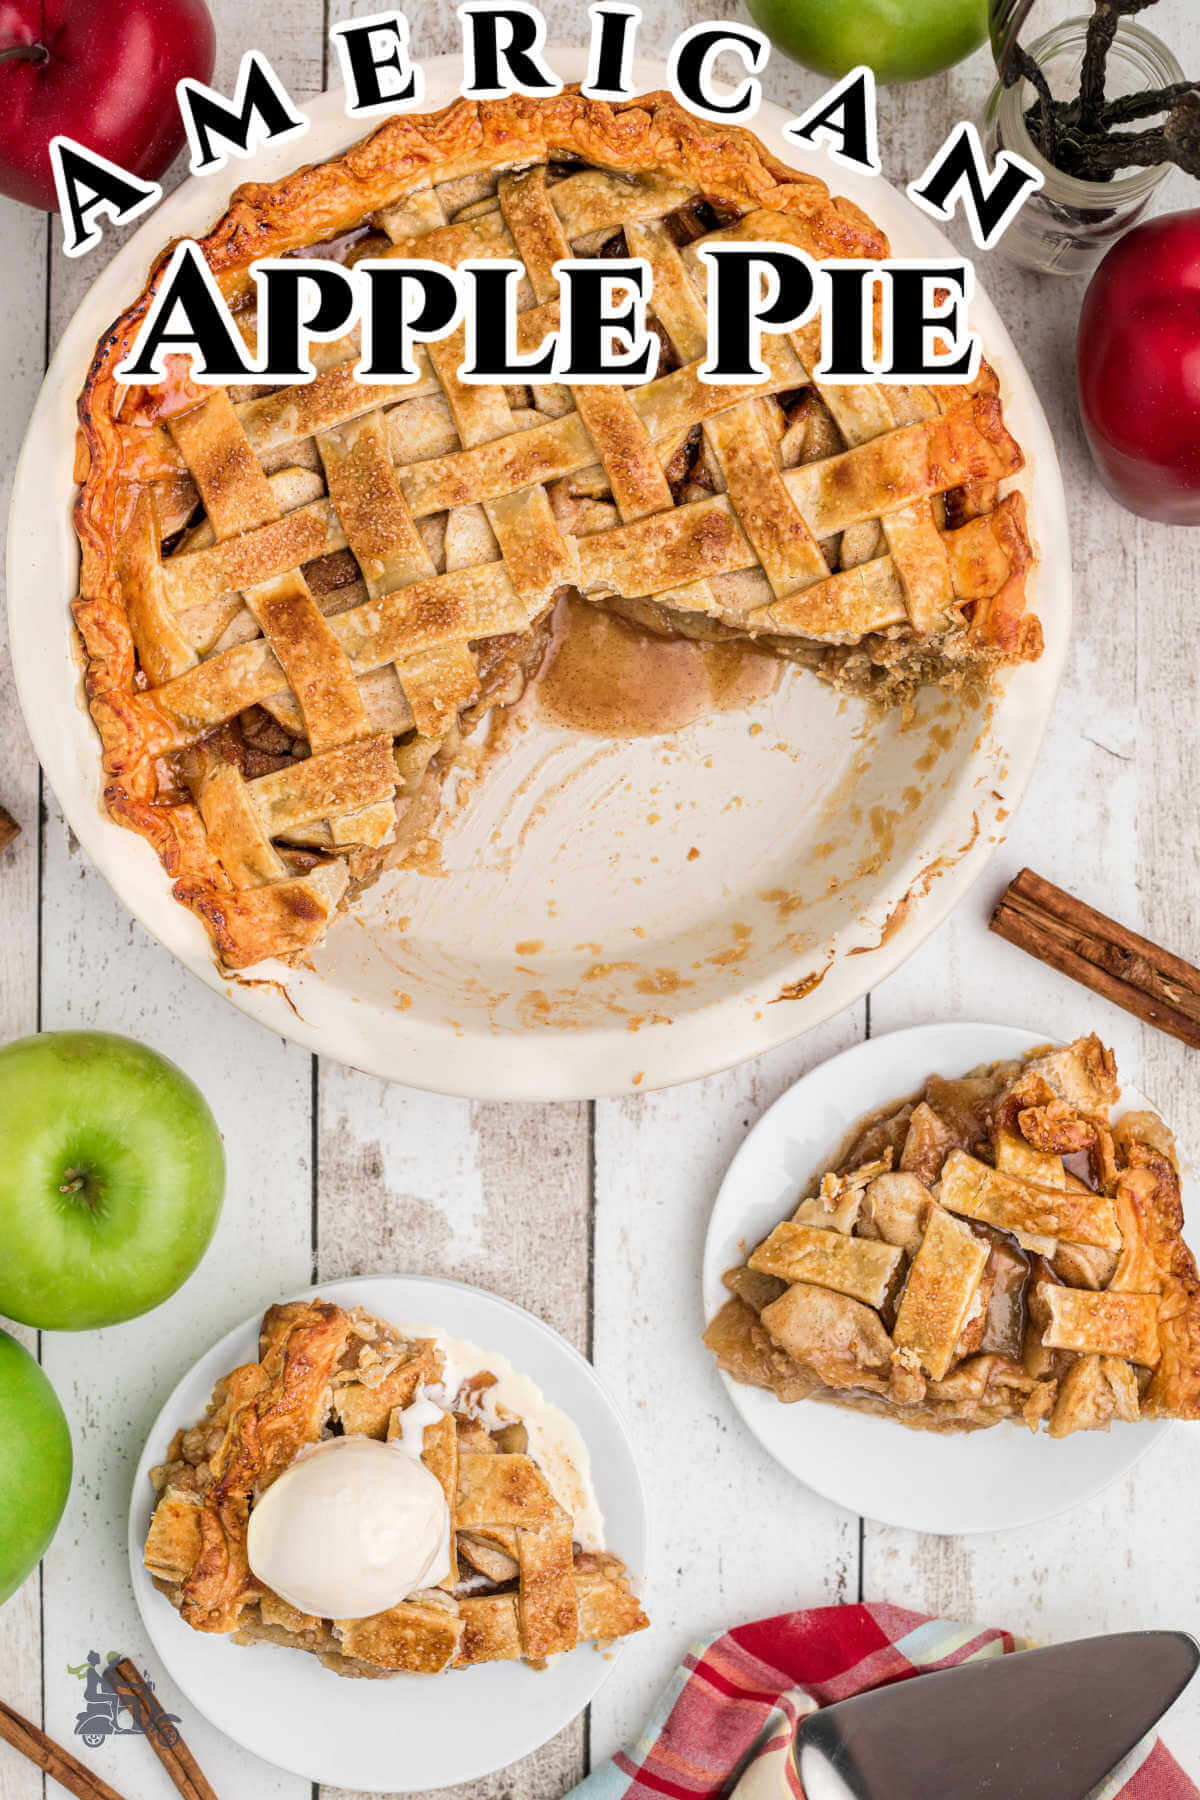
[1038,1725]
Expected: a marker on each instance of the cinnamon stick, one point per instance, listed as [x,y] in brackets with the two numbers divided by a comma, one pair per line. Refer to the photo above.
[1105,957]
[41,1750]
[8,828]
[174,1756]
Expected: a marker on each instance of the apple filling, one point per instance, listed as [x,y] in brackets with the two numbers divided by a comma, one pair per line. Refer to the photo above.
[952,1271]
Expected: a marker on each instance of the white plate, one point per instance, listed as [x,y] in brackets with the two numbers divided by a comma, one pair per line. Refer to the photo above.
[414,1732]
[979,1481]
[827,842]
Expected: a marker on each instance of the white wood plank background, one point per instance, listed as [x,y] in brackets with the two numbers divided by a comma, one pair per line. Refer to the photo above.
[593,1216]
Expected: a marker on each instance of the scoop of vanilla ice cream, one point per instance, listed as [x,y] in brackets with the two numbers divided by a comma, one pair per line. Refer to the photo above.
[351,1528]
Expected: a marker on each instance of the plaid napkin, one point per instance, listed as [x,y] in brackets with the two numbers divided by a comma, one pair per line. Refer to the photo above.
[732,1710]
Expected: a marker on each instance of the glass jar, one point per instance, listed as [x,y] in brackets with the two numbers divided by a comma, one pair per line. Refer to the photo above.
[1065,228]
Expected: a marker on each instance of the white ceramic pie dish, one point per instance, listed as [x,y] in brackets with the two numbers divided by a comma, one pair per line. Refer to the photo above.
[577,945]
[406,1734]
[974,1481]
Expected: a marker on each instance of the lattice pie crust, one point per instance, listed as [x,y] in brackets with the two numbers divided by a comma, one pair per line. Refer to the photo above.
[518,1587]
[295,601]
[994,1249]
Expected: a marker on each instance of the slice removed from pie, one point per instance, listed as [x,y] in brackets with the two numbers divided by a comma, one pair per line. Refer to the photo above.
[1003,1246]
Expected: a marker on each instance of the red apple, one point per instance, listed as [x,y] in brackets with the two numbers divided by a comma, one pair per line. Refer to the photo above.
[1138,359]
[100,71]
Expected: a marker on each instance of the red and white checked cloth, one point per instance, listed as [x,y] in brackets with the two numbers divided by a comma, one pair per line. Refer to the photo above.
[733,1708]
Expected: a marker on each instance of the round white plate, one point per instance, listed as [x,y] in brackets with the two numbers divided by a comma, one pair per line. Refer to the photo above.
[979,1481]
[613,916]
[414,1732]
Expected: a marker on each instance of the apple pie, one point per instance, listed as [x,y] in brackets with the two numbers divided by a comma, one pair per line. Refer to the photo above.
[1003,1246]
[517,1582]
[297,601]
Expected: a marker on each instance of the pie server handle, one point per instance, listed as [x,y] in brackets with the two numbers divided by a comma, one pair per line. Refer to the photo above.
[1038,1725]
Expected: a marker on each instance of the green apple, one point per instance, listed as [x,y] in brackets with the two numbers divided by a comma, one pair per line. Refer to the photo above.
[35,1464]
[901,40]
[111,1178]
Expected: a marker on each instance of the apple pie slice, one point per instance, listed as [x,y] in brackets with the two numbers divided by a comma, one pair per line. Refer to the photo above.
[1004,1246]
[516,1565]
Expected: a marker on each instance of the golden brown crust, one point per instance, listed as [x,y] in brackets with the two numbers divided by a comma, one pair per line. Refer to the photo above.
[1151,1185]
[269,219]
[127,441]
[1026,1292]
[285,1401]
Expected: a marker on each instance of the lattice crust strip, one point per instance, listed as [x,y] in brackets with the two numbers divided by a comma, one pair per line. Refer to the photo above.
[337,554]
[952,1289]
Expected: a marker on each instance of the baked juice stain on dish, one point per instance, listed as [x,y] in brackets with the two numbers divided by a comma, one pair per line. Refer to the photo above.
[918,888]
[800,990]
[604,676]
